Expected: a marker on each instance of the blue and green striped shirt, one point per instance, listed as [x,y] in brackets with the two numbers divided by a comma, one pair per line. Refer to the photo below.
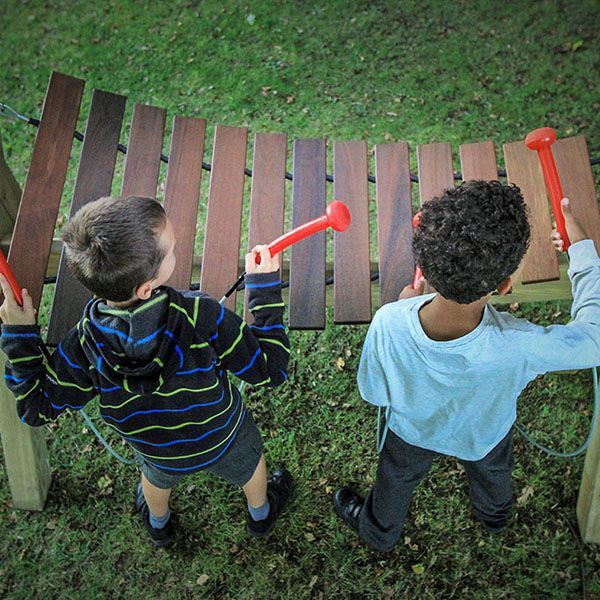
[161,370]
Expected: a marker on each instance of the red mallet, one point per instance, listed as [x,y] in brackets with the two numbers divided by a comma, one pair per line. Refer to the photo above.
[337,216]
[7,272]
[418,273]
[542,140]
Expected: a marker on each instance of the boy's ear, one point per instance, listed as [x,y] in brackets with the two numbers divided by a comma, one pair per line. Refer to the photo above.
[504,286]
[144,290]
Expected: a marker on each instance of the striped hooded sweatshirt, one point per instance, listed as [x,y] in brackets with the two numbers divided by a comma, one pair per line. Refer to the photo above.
[160,370]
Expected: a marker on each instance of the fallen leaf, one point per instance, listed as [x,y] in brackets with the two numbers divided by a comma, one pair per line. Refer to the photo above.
[202,579]
[52,524]
[312,582]
[418,569]
[309,537]
[340,363]
[526,493]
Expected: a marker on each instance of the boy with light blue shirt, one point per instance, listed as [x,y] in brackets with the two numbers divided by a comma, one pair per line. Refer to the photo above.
[449,367]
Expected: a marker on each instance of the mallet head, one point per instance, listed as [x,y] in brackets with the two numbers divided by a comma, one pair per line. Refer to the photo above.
[540,138]
[338,215]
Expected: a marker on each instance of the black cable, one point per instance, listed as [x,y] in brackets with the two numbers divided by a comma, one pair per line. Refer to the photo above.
[207,166]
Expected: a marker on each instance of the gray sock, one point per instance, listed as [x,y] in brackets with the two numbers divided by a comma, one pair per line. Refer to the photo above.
[159,522]
[155,522]
[259,513]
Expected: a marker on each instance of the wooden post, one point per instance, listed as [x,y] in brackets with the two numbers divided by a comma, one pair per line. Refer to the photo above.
[588,503]
[25,454]
[10,196]
[24,447]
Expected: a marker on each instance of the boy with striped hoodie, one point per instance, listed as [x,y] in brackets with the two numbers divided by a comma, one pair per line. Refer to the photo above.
[158,360]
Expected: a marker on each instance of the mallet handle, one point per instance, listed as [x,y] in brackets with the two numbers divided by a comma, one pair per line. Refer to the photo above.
[418,273]
[555,190]
[7,272]
[541,140]
[295,235]
[337,216]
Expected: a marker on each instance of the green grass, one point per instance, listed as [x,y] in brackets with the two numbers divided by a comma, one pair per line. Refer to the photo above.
[382,71]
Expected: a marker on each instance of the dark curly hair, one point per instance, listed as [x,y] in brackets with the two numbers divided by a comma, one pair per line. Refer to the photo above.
[471,238]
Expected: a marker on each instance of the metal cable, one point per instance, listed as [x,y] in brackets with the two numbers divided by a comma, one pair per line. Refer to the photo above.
[10,113]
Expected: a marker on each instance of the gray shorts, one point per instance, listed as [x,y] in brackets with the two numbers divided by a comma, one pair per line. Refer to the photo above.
[236,467]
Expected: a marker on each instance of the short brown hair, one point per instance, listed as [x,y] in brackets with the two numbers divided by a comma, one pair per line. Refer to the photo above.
[111,245]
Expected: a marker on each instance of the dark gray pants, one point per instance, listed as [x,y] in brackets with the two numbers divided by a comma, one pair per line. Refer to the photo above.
[402,466]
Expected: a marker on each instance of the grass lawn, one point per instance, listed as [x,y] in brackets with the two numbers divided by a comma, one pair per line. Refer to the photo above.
[382,71]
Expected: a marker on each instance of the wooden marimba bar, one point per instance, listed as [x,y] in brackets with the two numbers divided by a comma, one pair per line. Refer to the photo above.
[352,250]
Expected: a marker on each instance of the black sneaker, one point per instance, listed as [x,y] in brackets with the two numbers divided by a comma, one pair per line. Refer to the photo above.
[279,490]
[160,537]
[348,505]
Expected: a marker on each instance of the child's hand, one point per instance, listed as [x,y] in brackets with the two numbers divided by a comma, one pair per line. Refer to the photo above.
[410,292]
[574,229]
[10,312]
[268,264]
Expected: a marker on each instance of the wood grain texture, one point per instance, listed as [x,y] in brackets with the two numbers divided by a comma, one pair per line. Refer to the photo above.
[44,184]
[394,219]
[478,161]
[94,180]
[183,191]
[267,196]
[25,454]
[435,170]
[224,213]
[588,502]
[352,277]
[575,172]
[142,164]
[524,170]
[307,257]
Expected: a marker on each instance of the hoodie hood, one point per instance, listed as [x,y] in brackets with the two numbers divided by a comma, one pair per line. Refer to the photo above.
[138,347]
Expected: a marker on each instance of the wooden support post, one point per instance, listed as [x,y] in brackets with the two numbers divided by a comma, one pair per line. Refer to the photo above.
[10,196]
[24,447]
[588,503]
[25,454]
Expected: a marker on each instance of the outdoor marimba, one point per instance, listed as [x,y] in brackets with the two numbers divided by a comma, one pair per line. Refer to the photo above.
[33,236]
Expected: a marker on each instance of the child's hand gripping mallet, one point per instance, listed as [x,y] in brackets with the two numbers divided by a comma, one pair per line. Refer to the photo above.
[337,216]
[542,140]
[418,273]
[17,291]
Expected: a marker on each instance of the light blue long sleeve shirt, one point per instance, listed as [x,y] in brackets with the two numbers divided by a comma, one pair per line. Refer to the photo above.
[459,397]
